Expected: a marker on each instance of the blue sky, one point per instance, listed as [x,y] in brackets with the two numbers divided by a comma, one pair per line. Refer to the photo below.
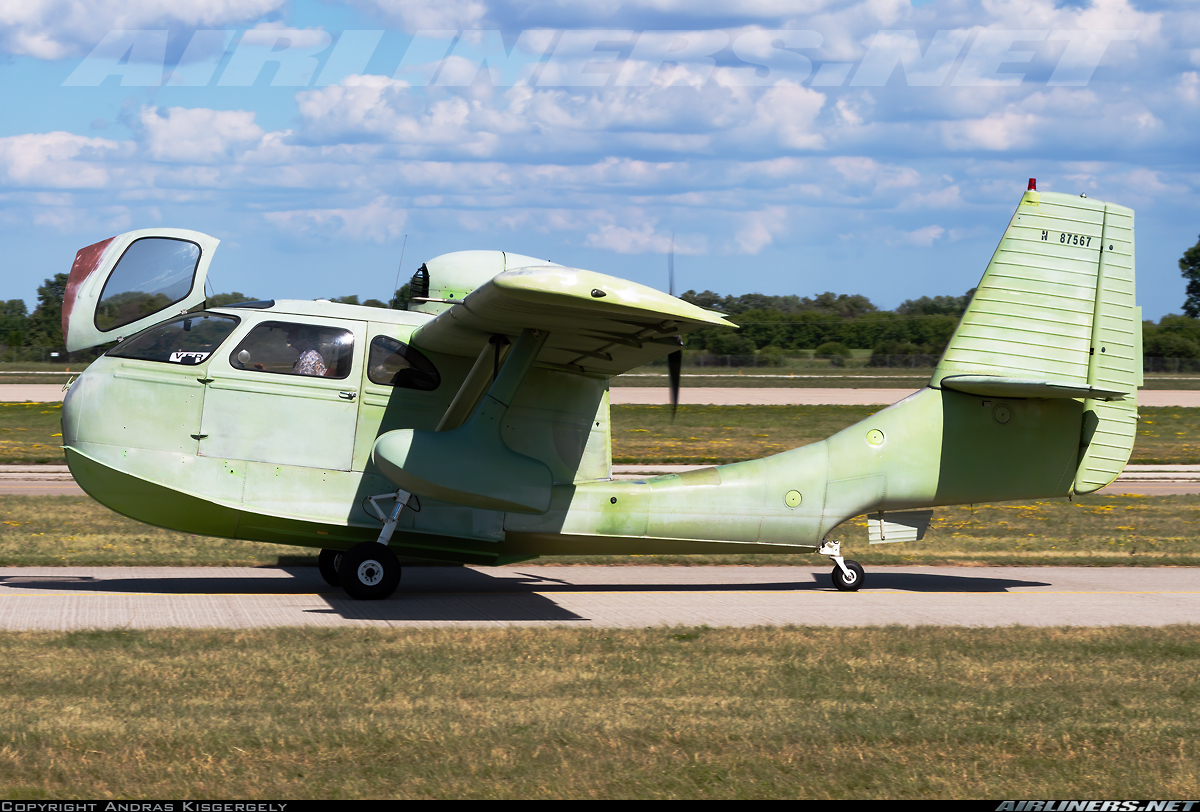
[870,146]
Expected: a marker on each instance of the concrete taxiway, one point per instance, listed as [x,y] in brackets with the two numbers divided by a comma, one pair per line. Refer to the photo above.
[601,597]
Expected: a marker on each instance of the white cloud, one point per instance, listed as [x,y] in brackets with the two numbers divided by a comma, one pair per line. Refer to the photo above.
[791,112]
[1189,87]
[198,135]
[1098,15]
[760,229]
[936,199]
[643,239]
[862,170]
[1011,129]
[413,15]
[524,121]
[923,237]
[71,219]
[380,221]
[58,160]
[416,15]
[54,29]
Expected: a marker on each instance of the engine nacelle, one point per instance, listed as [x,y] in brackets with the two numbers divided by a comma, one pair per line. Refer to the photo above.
[454,275]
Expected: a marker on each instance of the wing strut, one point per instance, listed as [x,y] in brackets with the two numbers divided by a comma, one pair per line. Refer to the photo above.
[485,370]
[471,464]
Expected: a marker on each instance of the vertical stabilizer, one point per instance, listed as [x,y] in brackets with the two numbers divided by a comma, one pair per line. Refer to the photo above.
[1031,316]
[1055,310]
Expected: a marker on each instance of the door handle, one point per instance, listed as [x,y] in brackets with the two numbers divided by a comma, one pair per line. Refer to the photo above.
[347,395]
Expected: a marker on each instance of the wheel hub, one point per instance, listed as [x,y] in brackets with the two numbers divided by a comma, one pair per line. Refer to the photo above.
[370,573]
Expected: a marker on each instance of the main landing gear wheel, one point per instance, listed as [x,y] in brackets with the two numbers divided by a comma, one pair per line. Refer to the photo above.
[328,563]
[851,582]
[369,571]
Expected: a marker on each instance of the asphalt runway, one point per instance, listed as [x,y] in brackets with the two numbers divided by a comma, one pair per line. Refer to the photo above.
[62,599]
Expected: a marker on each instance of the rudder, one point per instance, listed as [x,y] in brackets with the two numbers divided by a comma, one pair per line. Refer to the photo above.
[1110,427]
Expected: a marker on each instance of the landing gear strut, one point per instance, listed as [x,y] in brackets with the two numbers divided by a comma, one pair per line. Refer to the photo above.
[848,576]
[370,570]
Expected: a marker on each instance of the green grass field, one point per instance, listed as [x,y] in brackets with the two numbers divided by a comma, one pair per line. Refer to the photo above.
[820,713]
[31,432]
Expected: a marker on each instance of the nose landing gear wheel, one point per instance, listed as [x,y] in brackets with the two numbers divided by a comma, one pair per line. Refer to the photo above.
[369,571]
[328,562]
[852,582]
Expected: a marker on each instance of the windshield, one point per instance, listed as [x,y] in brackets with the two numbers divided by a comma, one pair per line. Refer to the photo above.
[189,339]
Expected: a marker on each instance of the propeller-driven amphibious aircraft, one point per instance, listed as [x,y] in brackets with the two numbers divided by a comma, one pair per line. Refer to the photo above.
[474,427]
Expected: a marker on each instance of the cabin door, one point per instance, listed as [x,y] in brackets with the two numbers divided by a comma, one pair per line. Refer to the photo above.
[287,393]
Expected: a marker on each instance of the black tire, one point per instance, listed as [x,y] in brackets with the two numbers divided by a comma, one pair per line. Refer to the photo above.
[328,563]
[369,571]
[854,582]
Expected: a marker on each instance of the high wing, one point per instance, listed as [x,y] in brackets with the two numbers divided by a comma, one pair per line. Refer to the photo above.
[595,323]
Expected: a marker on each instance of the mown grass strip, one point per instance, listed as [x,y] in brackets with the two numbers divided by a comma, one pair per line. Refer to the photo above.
[569,713]
[30,433]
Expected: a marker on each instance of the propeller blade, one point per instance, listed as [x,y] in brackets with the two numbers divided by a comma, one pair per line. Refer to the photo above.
[674,365]
[671,267]
[675,359]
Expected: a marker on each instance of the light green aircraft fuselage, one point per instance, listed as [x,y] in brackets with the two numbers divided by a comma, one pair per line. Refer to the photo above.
[492,408]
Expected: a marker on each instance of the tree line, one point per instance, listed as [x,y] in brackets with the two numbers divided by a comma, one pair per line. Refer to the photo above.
[831,324]
[43,327]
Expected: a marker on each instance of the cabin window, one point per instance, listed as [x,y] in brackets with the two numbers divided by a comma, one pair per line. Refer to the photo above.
[394,363]
[289,348]
[187,340]
[153,274]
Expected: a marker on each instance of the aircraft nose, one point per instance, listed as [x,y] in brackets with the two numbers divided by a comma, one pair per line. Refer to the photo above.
[75,408]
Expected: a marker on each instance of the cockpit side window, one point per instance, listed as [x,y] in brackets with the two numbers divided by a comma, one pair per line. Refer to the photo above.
[394,363]
[290,348]
[189,339]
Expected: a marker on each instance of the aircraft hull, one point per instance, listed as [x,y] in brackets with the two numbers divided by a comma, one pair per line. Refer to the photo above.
[937,447]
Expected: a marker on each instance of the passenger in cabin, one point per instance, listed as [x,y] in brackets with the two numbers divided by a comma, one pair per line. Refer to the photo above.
[310,361]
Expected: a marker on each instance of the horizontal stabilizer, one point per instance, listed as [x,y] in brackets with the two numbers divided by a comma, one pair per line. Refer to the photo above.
[993,386]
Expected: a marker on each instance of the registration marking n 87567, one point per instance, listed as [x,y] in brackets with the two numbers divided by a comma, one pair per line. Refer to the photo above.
[1066,238]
